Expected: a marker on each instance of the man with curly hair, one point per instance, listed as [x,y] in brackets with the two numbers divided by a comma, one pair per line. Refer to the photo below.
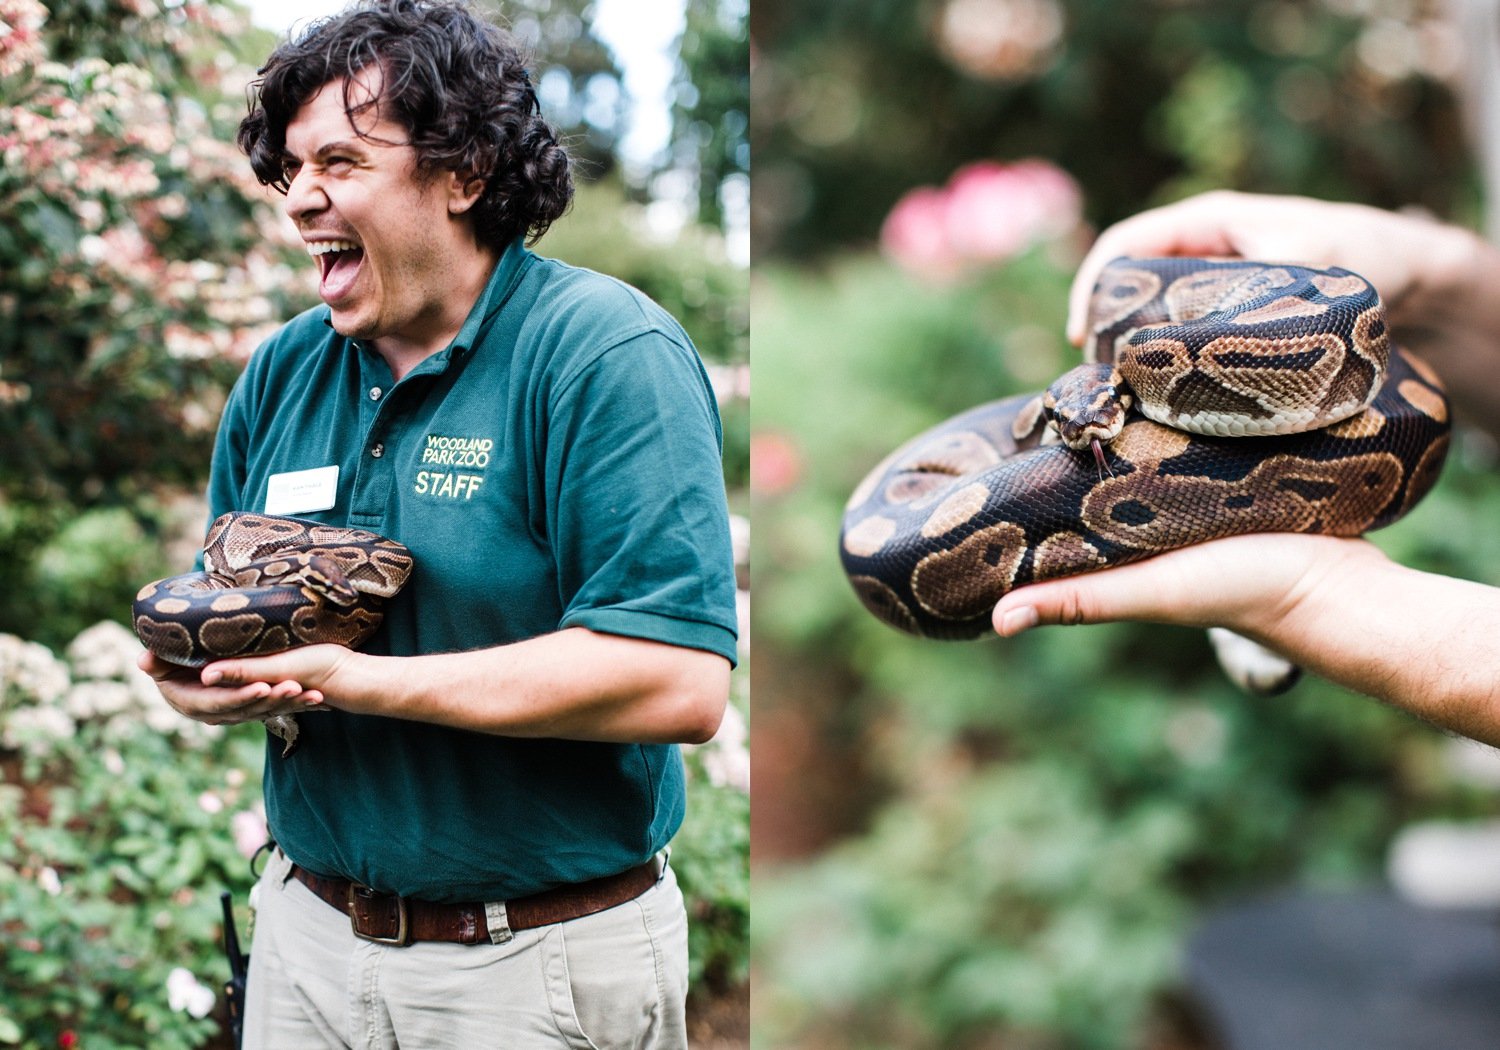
[471,834]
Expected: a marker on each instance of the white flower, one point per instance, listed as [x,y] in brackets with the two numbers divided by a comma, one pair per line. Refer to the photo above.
[105,650]
[210,803]
[739,536]
[30,671]
[726,758]
[184,993]
[96,699]
[48,880]
[36,729]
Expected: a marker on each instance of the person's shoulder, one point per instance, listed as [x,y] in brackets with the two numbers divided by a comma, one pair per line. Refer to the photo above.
[585,303]
[292,340]
[284,360]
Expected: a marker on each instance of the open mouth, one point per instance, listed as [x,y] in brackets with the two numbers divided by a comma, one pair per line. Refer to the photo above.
[338,266]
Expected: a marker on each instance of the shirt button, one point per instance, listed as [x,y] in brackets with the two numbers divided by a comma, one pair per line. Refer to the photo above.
[375,393]
[377,450]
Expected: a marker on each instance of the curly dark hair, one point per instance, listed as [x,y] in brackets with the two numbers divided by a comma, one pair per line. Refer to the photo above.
[456,83]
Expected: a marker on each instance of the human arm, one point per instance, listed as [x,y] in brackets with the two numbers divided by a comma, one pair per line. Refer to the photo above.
[1440,283]
[572,684]
[1338,607]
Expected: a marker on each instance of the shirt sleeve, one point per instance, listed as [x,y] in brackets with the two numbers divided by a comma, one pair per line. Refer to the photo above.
[637,511]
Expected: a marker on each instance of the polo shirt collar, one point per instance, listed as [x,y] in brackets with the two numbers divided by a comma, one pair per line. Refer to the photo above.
[498,289]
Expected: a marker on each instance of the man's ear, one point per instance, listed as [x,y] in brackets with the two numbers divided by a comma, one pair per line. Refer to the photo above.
[464,191]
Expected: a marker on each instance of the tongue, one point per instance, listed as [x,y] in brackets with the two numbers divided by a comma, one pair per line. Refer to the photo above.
[339,277]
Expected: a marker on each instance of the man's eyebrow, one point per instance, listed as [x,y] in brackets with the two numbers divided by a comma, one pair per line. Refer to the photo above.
[337,146]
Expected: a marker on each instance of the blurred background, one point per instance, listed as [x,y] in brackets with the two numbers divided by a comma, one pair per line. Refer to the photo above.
[140,264]
[1017,844]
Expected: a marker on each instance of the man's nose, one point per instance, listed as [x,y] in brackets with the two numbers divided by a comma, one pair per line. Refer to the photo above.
[304,195]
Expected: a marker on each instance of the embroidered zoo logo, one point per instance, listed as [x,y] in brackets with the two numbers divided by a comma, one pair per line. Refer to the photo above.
[443,451]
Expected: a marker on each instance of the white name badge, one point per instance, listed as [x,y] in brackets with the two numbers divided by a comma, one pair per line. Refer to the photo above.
[302,491]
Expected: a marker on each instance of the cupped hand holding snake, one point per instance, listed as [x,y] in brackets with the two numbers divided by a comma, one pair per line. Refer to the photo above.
[1440,283]
[1337,606]
[1426,645]
[249,689]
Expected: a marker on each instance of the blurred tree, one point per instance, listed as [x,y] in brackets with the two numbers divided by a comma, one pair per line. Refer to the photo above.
[576,75]
[857,102]
[711,111]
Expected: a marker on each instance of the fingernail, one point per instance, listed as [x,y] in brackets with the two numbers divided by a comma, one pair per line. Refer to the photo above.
[212,677]
[1017,620]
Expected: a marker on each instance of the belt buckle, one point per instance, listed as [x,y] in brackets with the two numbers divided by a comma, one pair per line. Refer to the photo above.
[363,895]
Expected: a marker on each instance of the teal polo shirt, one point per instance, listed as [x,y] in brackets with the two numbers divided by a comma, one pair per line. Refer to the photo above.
[558,465]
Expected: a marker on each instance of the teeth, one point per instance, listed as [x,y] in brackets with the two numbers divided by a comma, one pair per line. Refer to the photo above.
[316,248]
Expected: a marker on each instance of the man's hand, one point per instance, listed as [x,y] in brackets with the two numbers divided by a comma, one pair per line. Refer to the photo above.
[244,690]
[575,684]
[1401,255]
[1338,607]
[1249,584]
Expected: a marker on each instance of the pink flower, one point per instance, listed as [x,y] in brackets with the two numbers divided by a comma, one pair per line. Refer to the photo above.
[915,234]
[249,830]
[988,212]
[775,464]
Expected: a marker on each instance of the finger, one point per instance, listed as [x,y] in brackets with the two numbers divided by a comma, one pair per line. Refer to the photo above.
[1142,591]
[1196,226]
[217,704]
[288,690]
[243,672]
[157,668]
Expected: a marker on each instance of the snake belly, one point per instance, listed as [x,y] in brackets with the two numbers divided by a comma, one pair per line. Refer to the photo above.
[980,504]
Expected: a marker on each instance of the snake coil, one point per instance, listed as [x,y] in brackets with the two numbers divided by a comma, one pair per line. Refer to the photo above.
[1266,398]
[268,584]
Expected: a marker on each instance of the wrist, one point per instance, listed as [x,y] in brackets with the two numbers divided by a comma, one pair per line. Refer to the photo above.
[357,681]
[1457,264]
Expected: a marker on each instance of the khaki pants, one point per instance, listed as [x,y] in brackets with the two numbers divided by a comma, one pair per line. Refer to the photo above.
[614,979]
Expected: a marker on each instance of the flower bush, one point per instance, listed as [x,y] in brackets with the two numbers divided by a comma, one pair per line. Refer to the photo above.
[114,845]
[121,821]
[142,264]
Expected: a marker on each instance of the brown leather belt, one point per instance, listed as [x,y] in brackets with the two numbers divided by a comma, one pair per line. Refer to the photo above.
[388,919]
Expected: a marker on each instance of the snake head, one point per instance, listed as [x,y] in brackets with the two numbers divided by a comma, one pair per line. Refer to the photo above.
[1087,407]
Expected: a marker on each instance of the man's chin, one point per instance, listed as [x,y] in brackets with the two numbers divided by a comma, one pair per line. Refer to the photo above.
[349,324]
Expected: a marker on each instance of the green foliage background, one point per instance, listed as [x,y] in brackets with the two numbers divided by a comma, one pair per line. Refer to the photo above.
[139,266]
[1007,843]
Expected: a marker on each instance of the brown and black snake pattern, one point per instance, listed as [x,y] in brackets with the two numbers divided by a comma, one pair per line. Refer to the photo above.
[983,503]
[272,583]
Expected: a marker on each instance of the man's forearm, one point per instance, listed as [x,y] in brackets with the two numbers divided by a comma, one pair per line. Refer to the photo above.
[573,684]
[1419,641]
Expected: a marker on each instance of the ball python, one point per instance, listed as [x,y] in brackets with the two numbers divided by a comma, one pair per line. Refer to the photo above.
[271,583]
[1218,397]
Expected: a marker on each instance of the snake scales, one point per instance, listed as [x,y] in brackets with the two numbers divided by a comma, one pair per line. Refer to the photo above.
[1289,410]
[268,584]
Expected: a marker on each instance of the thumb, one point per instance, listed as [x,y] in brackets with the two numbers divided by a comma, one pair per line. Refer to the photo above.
[1141,591]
